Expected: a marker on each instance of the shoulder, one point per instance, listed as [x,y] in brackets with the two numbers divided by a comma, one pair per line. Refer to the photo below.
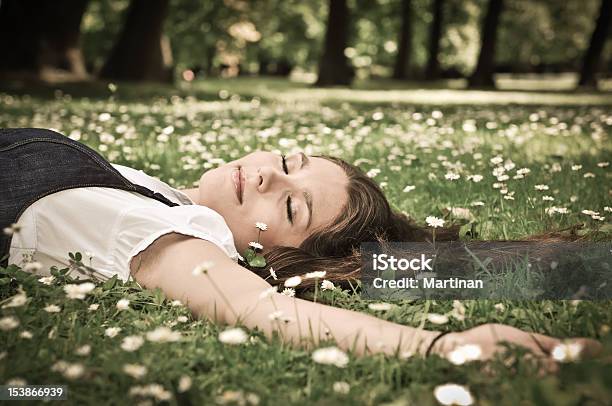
[170,250]
[142,232]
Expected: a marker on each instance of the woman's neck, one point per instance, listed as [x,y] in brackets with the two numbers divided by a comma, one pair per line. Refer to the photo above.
[194,194]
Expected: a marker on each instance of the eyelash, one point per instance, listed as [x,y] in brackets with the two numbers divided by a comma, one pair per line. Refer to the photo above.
[286,170]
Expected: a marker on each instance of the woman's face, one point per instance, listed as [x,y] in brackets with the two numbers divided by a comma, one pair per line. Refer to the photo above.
[259,188]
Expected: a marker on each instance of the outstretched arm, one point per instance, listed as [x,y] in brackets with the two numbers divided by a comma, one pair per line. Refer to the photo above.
[231,294]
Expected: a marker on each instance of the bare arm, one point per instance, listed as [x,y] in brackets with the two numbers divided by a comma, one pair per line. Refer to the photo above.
[229,293]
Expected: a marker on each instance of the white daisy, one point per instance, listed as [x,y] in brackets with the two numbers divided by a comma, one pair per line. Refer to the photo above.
[78,291]
[273,274]
[453,394]
[47,280]
[12,229]
[500,307]
[202,268]
[256,245]
[26,334]
[132,343]
[184,383]
[123,304]
[136,371]
[112,331]
[315,274]
[293,282]
[261,226]
[233,336]
[83,350]
[327,285]
[32,267]
[452,176]
[267,293]
[341,387]
[288,292]
[381,307]
[16,301]
[464,353]
[52,308]
[8,323]
[434,222]
[567,352]
[436,318]
[330,356]
[163,335]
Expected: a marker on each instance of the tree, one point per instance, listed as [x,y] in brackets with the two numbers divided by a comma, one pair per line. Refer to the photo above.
[334,68]
[402,61]
[141,52]
[35,35]
[483,74]
[592,57]
[432,71]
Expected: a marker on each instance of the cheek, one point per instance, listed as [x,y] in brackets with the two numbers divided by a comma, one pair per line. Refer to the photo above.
[268,238]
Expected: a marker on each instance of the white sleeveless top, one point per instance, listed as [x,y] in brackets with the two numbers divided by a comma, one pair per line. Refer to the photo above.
[111,226]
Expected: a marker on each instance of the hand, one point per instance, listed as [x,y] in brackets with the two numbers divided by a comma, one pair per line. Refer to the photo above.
[489,338]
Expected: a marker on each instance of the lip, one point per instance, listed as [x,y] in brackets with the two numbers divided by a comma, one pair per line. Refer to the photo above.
[238,183]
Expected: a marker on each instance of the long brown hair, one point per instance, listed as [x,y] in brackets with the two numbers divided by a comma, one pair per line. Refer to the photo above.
[366,217]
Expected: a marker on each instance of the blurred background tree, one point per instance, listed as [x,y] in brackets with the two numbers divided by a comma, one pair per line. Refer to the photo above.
[141,51]
[36,36]
[485,67]
[334,40]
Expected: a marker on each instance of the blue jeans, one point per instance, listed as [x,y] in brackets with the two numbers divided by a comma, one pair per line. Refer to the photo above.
[35,162]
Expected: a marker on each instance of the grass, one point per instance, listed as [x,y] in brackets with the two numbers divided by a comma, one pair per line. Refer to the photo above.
[563,139]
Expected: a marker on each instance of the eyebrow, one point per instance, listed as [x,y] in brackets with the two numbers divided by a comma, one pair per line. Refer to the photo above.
[305,160]
[307,195]
[308,198]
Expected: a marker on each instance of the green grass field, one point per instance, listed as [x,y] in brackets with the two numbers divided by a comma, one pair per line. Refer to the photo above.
[429,151]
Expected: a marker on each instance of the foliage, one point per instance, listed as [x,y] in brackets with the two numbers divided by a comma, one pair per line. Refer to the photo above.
[206,36]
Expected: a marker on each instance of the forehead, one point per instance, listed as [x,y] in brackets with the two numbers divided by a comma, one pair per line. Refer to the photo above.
[327,182]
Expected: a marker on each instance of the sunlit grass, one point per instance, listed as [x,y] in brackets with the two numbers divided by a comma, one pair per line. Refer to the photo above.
[403,138]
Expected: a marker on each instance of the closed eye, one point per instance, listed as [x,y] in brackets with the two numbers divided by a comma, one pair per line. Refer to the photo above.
[289,213]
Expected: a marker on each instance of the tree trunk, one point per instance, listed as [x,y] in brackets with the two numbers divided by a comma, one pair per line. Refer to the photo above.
[333,66]
[61,47]
[210,60]
[42,34]
[432,71]
[141,52]
[592,58]
[18,46]
[402,61]
[483,75]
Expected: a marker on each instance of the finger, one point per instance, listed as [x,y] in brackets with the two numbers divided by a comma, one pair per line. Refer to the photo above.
[590,347]
[544,344]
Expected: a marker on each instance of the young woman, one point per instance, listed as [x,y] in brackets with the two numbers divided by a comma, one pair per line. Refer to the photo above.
[59,196]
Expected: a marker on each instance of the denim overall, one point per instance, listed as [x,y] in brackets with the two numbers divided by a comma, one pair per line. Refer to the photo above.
[35,162]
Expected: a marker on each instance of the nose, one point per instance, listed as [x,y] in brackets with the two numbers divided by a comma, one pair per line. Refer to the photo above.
[271,179]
